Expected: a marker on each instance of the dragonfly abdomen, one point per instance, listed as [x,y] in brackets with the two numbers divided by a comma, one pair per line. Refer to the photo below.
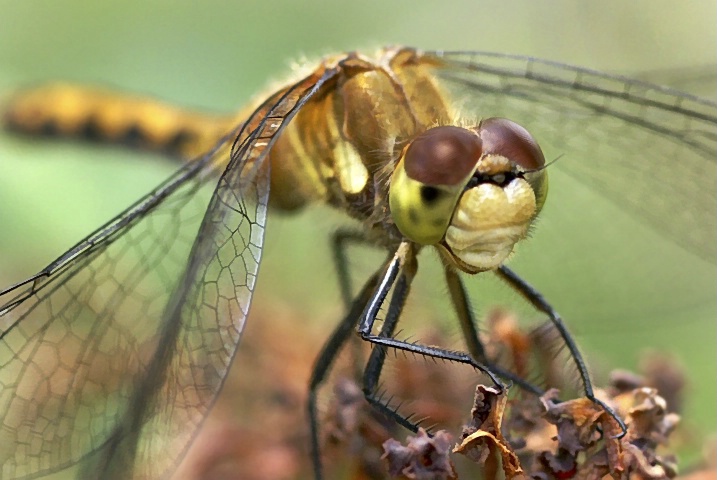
[92,114]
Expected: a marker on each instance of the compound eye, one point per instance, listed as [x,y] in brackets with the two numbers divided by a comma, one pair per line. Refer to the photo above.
[503,137]
[429,179]
[443,156]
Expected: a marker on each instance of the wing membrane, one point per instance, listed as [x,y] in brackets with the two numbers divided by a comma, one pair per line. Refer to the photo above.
[649,149]
[74,325]
[114,353]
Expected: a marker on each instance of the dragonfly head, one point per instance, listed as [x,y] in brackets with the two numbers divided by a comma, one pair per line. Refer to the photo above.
[473,193]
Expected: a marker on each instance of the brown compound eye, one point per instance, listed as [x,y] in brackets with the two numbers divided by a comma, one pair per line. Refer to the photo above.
[429,180]
[508,139]
[443,156]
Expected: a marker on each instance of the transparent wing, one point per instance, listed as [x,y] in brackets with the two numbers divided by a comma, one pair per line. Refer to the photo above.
[648,148]
[113,355]
[76,336]
[649,157]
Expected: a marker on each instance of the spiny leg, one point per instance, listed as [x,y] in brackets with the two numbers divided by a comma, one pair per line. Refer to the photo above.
[462,306]
[538,301]
[328,354]
[340,241]
[365,309]
[459,299]
[405,256]
[377,358]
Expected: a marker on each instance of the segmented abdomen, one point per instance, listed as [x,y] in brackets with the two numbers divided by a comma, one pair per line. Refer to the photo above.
[64,110]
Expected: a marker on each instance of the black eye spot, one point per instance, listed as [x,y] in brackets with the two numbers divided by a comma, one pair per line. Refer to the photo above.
[429,194]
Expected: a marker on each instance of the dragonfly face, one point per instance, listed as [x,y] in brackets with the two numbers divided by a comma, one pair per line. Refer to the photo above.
[478,190]
[410,144]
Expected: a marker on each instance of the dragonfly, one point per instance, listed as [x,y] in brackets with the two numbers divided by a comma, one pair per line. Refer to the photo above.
[421,149]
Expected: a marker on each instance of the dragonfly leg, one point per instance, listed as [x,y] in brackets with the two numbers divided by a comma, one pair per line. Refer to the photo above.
[340,241]
[404,257]
[395,277]
[329,352]
[461,304]
[538,301]
[377,358]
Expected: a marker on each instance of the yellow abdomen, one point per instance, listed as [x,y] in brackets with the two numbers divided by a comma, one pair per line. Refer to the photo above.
[113,117]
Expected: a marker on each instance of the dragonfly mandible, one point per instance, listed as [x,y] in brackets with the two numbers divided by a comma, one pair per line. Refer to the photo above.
[362,134]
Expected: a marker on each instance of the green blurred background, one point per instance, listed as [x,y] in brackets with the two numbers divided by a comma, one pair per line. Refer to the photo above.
[216,54]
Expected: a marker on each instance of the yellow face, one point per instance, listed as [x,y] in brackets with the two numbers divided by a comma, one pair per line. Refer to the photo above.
[473,193]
